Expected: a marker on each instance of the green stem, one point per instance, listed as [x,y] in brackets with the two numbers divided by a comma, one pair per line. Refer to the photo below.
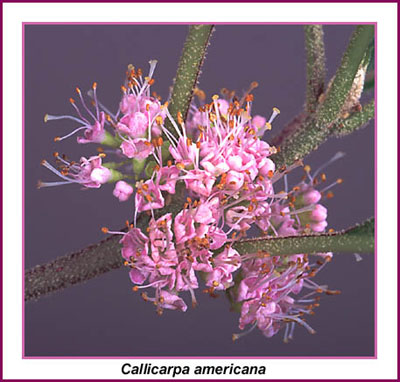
[72,269]
[188,72]
[87,263]
[359,239]
[315,51]
[105,256]
[343,81]
[355,121]
[316,129]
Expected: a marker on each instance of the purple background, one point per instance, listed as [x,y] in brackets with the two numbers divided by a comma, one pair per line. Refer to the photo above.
[103,317]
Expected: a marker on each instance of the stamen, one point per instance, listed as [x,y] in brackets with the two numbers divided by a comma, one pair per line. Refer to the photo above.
[337,156]
[275,113]
[49,117]
[236,336]
[57,139]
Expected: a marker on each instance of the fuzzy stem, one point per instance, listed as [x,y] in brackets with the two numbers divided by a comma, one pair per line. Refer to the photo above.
[105,256]
[315,50]
[188,72]
[87,263]
[341,85]
[72,269]
[358,239]
[355,121]
[316,129]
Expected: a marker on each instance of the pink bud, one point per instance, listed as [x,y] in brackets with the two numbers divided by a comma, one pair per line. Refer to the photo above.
[223,106]
[319,227]
[122,191]
[258,121]
[319,213]
[311,197]
[266,166]
[100,175]
[235,162]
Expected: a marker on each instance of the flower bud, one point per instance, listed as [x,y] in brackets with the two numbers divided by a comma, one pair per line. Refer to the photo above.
[122,191]
[319,213]
[100,175]
[311,197]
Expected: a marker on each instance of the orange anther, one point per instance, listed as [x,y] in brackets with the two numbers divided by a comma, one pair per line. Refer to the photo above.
[329,195]
[159,120]
[180,119]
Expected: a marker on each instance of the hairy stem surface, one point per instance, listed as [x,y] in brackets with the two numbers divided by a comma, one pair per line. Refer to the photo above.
[315,51]
[188,72]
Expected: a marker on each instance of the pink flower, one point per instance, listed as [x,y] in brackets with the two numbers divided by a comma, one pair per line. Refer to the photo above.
[161,238]
[134,244]
[171,301]
[148,196]
[94,133]
[225,264]
[137,276]
[199,182]
[122,191]
[88,173]
[129,104]
[204,214]
[234,180]
[185,151]
[167,177]
[138,148]
[135,125]
[184,227]
[186,278]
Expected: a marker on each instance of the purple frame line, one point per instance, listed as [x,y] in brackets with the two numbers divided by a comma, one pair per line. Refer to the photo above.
[23,191]
[376,189]
[198,23]
[188,23]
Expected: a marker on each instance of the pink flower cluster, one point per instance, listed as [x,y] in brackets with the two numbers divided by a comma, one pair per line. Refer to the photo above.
[221,171]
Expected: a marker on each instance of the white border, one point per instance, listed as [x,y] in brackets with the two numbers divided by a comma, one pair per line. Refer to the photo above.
[385,14]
